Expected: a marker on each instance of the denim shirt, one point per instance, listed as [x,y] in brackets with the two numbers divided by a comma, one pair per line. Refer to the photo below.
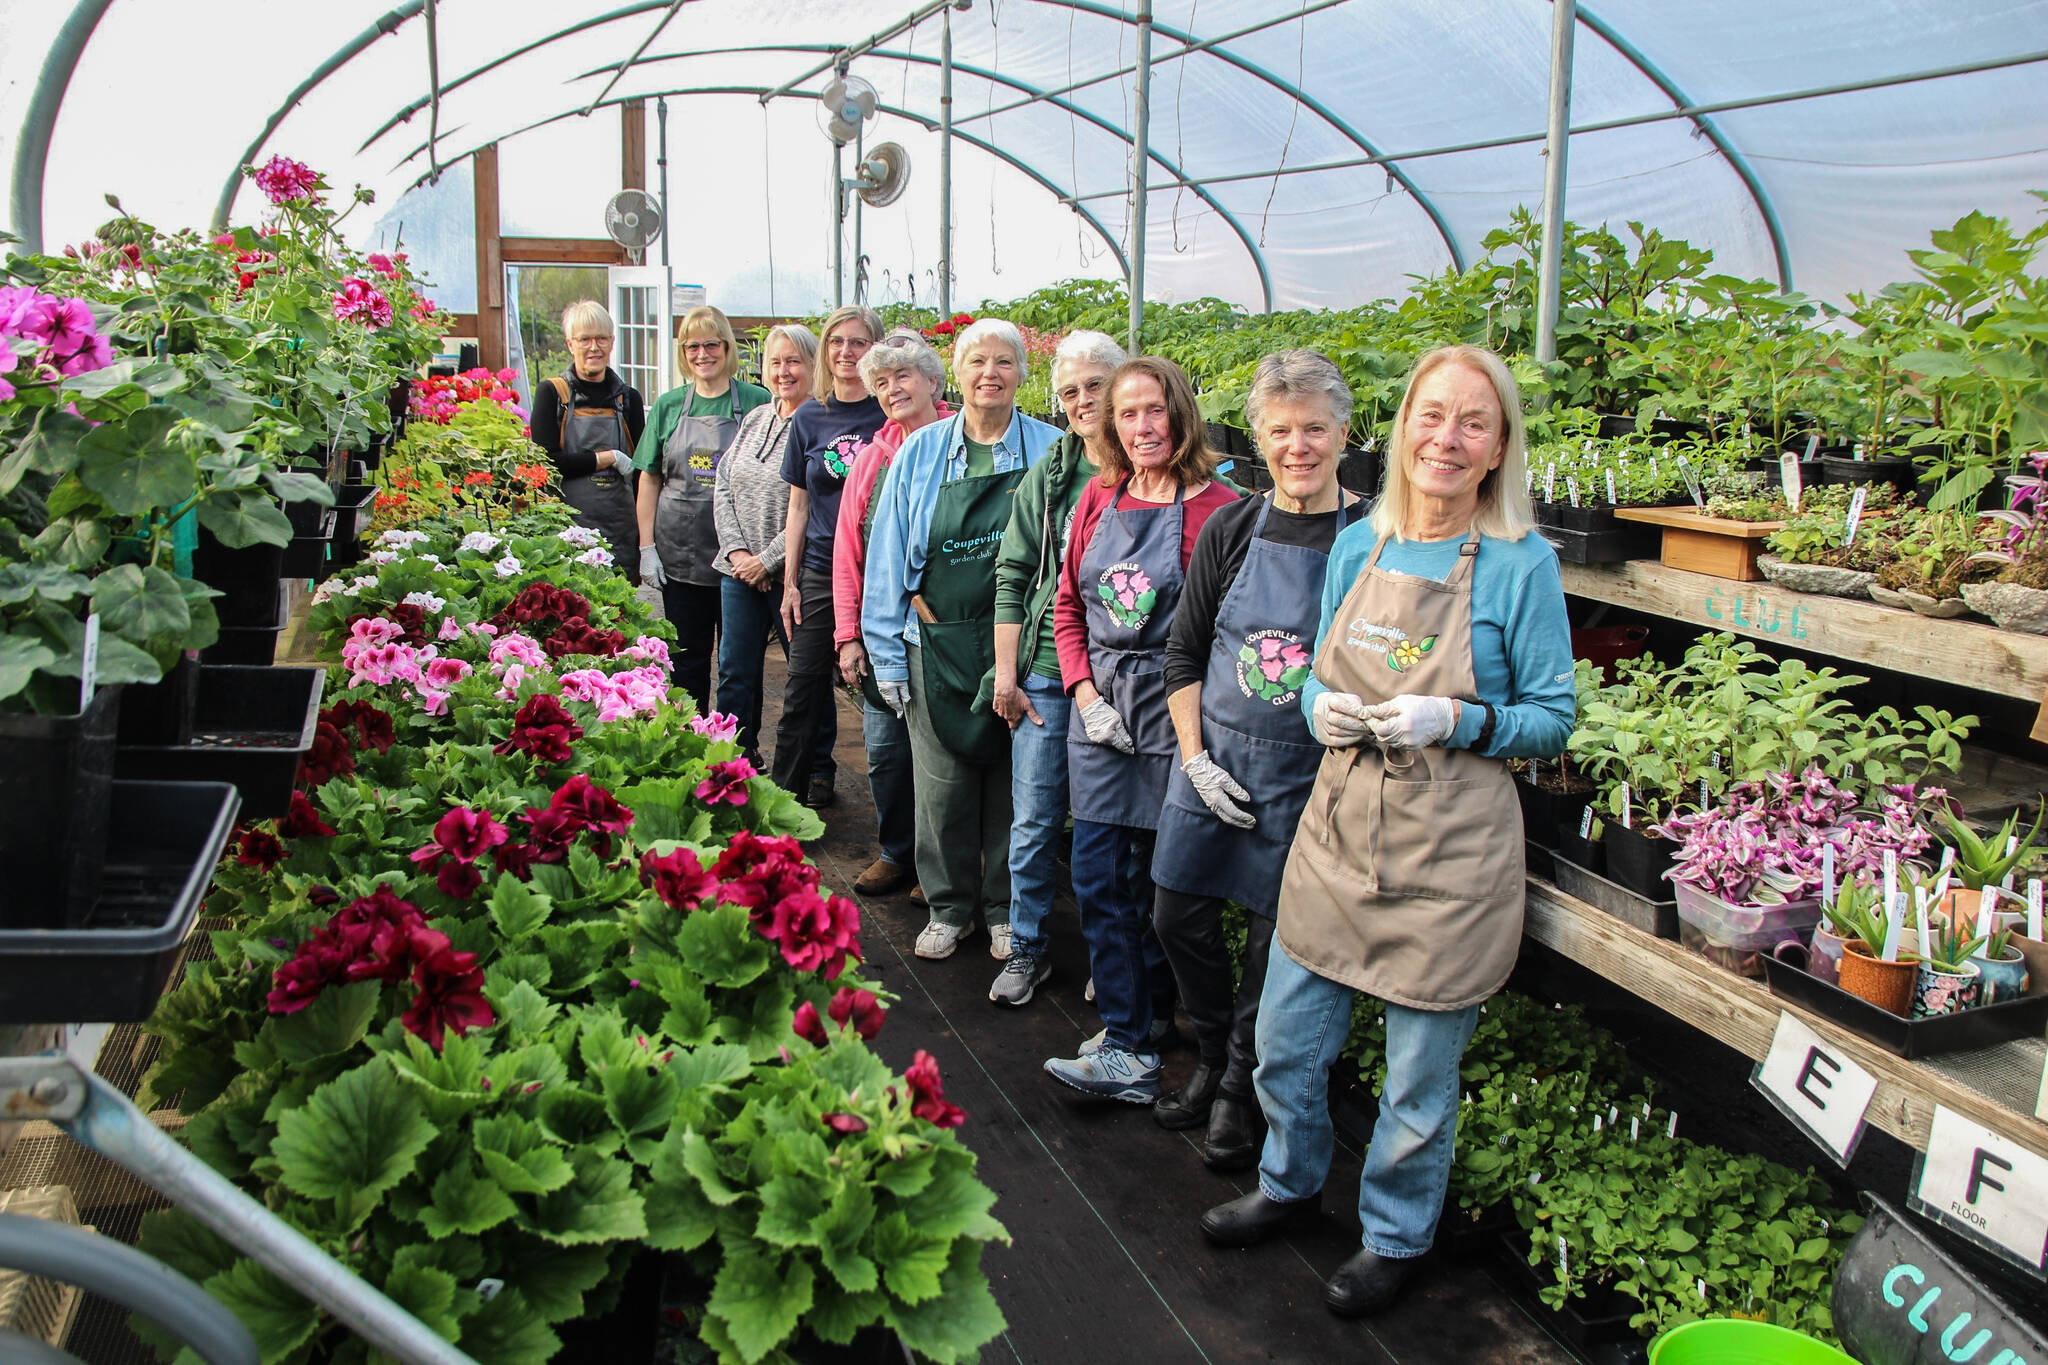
[934,455]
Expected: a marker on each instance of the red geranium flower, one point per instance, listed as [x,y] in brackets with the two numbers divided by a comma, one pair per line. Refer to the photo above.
[726,783]
[543,728]
[372,726]
[807,1025]
[813,932]
[329,757]
[678,878]
[459,880]
[928,1096]
[580,637]
[859,1007]
[303,820]
[260,848]
[516,860]
[451,996]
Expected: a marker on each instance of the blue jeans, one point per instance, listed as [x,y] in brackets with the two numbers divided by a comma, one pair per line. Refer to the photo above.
[746,620]
[1112,867]
[1303,1019]
[1038,810]
[889,780]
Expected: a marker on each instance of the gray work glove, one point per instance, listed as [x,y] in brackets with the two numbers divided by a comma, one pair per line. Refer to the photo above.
[1410,721]
[895,693]
[1105,726]
[1340,719]
[1217,788]
[650,566]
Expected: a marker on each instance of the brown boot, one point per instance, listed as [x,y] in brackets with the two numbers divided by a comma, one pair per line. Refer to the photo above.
[883,878]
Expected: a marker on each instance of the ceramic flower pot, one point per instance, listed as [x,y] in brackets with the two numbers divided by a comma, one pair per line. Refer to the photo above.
[2003,978]
[1825,958]
[1887,985]
[1937,991]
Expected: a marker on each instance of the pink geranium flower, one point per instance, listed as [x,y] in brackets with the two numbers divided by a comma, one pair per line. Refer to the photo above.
[287,182]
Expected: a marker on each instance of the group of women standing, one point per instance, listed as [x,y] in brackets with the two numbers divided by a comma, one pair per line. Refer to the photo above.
[1292,702]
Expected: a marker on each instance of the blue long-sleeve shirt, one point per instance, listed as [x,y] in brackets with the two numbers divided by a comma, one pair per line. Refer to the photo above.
[934,454]
[1521,639]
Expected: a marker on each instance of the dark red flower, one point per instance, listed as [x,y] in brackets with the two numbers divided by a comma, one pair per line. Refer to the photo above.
[329,757]
[516,860]
[845,1123]
[451,996]
[726,783]
[303,820]
[260,848]
[678,878]
[319,894]
[807,1025]
[580,637]
[371,725]
[541,609]
[859,1007]
[458,879]
[928,1096]
[586,806]
[542,728]
[299,982]
[759,872]
[550,832]
[468,834]
[813,932]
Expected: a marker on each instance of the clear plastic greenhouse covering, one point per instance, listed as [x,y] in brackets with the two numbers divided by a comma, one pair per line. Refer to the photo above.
[1315,153]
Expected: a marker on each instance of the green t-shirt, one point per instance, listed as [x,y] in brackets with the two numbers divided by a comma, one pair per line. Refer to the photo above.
[981,459]
[684,401]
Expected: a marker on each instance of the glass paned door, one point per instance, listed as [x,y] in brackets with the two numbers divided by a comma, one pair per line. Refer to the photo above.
[640,307]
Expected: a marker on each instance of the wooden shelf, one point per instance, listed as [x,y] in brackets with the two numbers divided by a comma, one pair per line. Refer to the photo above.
[1968,653]
[1744,1014]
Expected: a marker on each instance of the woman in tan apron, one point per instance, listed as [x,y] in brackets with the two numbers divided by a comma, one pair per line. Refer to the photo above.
[588,421]
[1443,651]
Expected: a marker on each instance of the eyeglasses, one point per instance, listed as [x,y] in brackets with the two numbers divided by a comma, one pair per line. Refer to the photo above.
[1069,392]
[695,346]
[601,343]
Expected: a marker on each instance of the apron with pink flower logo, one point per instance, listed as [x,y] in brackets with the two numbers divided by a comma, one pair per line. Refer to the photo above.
[1131,578]
[1253,727]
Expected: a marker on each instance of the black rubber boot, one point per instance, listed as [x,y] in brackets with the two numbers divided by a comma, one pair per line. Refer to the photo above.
[1367,1283]
[1252,1218]
[1188,1107]
[1236,1131]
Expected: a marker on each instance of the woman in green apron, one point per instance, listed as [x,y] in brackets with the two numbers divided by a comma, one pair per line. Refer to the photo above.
[588,422]
[688,433]
[1442,652]
[928,622]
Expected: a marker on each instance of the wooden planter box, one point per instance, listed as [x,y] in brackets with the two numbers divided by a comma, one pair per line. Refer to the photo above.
[1704,544]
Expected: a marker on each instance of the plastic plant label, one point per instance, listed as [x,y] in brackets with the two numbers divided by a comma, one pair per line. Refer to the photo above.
[1612,500]
[1814,1084]
[89,665]
[1550,483]
[1894,925]
[1987,902]
[1988,1188]
[1703,793]
[1627,804]
[2012,846]
[1788,477]
[2034,908]
[1692,482]
[1891,875]
[1855,512]
[1920,917]
[1812,444]
[1827,874]
[1571,488]
[1586,823]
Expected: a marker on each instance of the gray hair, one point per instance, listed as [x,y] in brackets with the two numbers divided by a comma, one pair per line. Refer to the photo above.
[1506,511]
[587,312]
[1297,376]
[902,349]
[1088,348]
[797,335]
[993,329]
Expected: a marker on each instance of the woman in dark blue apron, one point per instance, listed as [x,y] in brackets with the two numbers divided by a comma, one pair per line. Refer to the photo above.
[1126,561]
[588,421]
[1235,664]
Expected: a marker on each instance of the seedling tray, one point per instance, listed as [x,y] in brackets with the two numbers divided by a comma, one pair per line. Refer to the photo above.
[1985,1026]
[249,728]
[1614,545]
[1601,1316]
[1652,917]
[164,840]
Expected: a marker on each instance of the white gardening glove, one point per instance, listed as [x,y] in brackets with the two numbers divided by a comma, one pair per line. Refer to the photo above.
[1413,722]
[1105,726]
[650,566]
[1340,719]
[1216,788]
[895,693]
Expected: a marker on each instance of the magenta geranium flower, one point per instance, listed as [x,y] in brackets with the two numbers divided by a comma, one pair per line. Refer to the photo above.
[359,301]
[726,783]
[288,182]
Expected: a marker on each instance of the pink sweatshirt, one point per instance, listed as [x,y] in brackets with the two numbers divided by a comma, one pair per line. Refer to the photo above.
[849,546]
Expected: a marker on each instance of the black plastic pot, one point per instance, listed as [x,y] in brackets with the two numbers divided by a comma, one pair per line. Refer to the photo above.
[250,728]
[163,840]
[1639,861]
[253,642]
[56,787]
[1361,470]
[1896,470]
[354,505]
[247,579]
[1599,1315]
[396,400]
[1539,813]
[306,556]
[161,712]
[1590,854]
[1624,540]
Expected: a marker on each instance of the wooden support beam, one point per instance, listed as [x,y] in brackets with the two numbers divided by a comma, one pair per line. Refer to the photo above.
[490,263]
[633,145]
[563,251]
[1967,653]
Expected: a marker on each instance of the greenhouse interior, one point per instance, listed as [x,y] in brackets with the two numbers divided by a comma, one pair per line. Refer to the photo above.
[564,574]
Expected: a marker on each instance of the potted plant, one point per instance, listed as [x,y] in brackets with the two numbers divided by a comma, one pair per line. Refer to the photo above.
[1824,959]
[1949,980]
[1936,554]
[1981,861]
[1866,973]
[1815,552]
[2017,599]
[2002,968]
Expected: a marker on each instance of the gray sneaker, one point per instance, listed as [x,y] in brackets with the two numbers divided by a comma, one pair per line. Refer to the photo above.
[1022,974]
[1110,1073]
[1156,1037]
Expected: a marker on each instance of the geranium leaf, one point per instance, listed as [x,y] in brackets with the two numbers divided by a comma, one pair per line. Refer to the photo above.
[20,657]
[516,1155]
[333,1023]
[506,1330]
[759,1301]
[679,1217]
[517,909]
[279,1320]
[772,811]
[911,1262]
[125,464]
[554,1279]
[450,1081]
[515,1072]
[765,1026]
[954,1325]
[701,1161]
[465,1204]
[954,1202]
[597,1205]
[712,1064]
[722,946]
[574,1117]
[853,1068]
[356,1136]
[244,517]
[637,1102]
[427,1292]
[839,1230]
[790,1204]
[523,1010]
[836,1315]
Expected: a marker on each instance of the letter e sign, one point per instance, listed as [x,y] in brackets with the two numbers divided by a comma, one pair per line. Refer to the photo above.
[1815,1084]
[1985,1186]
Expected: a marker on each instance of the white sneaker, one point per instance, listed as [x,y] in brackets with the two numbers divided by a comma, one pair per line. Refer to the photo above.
[1088,991]
[999,939]
[1156,1037]
[938,940]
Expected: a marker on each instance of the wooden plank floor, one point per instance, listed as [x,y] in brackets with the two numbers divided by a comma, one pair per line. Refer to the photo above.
[1108,1262]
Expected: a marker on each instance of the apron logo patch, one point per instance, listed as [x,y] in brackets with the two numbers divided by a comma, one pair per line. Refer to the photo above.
[1272,666]
[841,453]
[1391,642]
[701,459]
[1127,591]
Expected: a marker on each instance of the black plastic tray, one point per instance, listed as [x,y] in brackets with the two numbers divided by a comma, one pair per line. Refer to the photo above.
[163,843]
[1586,1321]
[249,728]
[1652,917]
[1985,1026]
[251,644]
[1624,542]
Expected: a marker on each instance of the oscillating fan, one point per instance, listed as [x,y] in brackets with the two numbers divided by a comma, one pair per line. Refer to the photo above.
[882,174]
[633,219]
[846,103]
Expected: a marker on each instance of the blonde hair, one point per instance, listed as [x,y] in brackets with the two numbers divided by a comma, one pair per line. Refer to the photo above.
[587,312]
[868,318]
[705,318]
[1505,510]
[1193,460]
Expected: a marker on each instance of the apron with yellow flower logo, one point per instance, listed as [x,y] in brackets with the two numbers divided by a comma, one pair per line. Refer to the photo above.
[685,530]
[1406,879]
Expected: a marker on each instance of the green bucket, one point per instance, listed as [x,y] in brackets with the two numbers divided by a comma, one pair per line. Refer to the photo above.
[1732,1341]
